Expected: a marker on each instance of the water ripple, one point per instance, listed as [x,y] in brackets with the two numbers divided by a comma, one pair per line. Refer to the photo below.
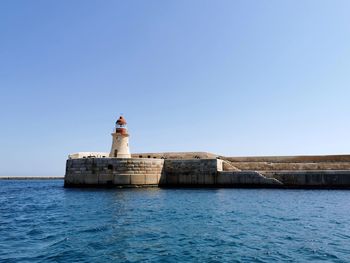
[40,221]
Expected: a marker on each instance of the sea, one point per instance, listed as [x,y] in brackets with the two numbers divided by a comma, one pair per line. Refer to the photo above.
[41,221]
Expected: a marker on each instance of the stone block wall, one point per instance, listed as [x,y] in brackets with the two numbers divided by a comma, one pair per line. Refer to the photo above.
[291,163]
[113,172]
[245,179]
[135,172]
[263,163]
[141,172]
[311,179]
[280,166]
[190,172]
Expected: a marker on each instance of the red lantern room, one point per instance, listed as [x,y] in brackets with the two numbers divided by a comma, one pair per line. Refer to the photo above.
[120,126]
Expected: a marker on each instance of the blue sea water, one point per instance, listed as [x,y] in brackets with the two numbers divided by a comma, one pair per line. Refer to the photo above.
[40,221]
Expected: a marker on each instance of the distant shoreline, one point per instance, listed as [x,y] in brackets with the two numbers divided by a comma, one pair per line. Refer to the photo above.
[31,177]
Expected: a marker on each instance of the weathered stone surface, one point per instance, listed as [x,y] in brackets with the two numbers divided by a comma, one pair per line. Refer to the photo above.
[152,179]
[107,171]
[190,172]
[185,178]
[246,178]
[90,179]
[137,179]
[121,179]
[209,179]
[207,172]
[106,178]
[317,179]
[224,178]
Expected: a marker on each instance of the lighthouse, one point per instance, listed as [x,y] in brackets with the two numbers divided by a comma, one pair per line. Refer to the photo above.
[120,143]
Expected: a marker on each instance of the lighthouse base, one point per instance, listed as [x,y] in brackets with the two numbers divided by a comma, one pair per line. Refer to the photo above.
[126,172]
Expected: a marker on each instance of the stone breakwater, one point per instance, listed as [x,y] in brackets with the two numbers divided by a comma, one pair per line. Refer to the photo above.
[113,172]
[196,172]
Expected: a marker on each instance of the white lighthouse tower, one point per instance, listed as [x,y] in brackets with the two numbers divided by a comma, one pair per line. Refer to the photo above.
[120,144]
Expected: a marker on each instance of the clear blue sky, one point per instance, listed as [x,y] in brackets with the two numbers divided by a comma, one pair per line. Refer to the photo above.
[230,77]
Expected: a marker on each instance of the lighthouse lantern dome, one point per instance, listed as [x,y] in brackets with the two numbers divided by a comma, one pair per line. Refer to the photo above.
[121,121]
[120,125]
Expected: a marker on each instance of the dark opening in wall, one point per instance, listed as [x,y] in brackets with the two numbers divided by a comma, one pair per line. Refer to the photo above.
[149,156]
[110,167]
[140,156]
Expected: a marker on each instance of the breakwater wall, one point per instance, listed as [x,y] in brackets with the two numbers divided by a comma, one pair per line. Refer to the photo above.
[312,179]
[138,172]
[190,172]
[113,172]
